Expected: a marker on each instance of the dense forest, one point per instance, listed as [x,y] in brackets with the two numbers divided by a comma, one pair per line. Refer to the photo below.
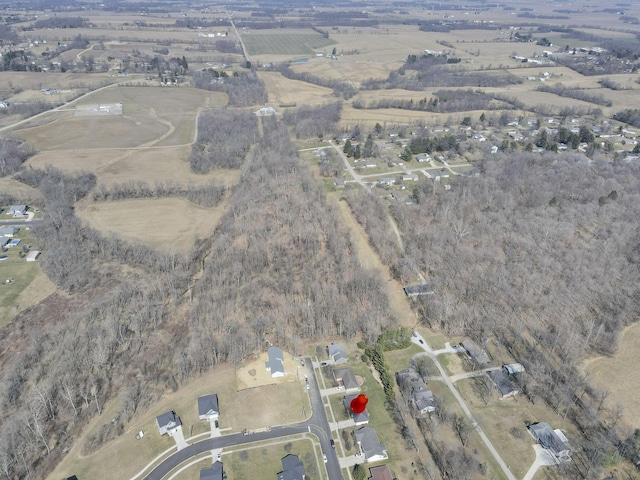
[279,267]
[539,253]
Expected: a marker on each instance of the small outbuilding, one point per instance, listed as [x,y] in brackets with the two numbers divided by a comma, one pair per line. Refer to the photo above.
[381,472]
[33,255]
[417,290]
[513,369]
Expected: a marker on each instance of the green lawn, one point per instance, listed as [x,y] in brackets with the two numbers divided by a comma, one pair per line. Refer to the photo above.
[263,460]
[400,359]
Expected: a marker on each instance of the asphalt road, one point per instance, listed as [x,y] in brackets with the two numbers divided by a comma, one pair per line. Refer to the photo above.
[316,424]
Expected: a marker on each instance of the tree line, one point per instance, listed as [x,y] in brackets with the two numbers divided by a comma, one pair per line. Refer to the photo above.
[207,195]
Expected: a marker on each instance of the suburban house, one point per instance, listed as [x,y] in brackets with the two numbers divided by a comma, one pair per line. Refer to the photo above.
[8,232]
[380,473]
[72,477]
[388,181]
[423,157]
[503,384]
[513,369]
[4,241]
[358,418]
[337,352]
[214,472]
[18,210]
[478,356]
[339,183]
[208,407]
[422,397]
[346,379]
[168,422]
[552,440]
[292,469]
[416,290]
[33,255]
[370,446]
[275,363]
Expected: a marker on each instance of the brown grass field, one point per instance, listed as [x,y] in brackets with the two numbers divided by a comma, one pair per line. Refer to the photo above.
[167,223]
[252,373]
[613,375]
[283,91]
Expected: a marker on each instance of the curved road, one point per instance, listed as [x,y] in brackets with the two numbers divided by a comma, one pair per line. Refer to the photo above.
[317,424]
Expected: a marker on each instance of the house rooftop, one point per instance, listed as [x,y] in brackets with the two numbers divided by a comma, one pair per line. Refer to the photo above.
[369,443]
[292,469]
[346,377]
[274,364]
[208,404]
[380,473]
[215,472]
[503,384]
[358,418]
[168,418]
[478,355]
[548,438]
[337,352]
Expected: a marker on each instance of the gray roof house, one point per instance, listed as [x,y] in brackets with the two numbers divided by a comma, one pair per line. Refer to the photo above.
[358,418]
[478,355]
[337,352]
[372,449]
[422,397]
[503,384]
[549,439]
[8,232]
[17,210]
[208,407]
[72,477]
[292,469]
[214,472]
[167,422]
[346,378]
[275,364]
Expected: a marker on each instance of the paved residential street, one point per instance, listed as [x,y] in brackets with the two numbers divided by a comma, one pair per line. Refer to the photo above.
[316,424]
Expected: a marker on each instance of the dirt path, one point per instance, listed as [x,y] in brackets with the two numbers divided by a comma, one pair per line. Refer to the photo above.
[369,259]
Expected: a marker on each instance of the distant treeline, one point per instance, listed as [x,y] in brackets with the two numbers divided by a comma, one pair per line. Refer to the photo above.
[13,153]
[224,137]
[61,22]
[442,101]
[243,90]
[206,195]
[575,93]
[341,88]
[310,121]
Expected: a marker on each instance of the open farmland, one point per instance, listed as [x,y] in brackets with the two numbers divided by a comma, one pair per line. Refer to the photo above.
[284,43]
[167,223]
[613,375]
[286,91]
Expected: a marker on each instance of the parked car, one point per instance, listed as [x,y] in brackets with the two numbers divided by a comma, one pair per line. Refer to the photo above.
[333,443]
[324,457]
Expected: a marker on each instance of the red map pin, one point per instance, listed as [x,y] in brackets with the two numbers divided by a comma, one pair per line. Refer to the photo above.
[359,404]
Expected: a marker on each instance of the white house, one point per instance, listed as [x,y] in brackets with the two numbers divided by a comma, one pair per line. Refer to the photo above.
[33,255]
[18,210]
[168,422]
[275,363]
[208,407]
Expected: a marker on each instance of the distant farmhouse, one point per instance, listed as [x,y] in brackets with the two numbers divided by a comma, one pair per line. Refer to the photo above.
[168,422]
[337,353]
[292,469]
[275,364]
[208,407]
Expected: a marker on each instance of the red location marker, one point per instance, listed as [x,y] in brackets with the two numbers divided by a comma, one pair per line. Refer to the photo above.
[359,404]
